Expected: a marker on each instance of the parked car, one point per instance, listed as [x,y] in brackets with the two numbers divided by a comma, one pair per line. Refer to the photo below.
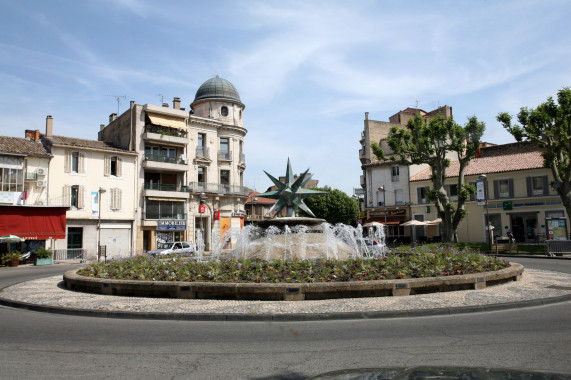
[178,247]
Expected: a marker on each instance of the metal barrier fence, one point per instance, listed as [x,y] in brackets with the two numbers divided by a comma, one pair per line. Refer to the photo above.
[70,254]
[557,247]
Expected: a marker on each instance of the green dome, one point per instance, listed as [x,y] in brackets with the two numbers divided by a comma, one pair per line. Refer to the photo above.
[217,88]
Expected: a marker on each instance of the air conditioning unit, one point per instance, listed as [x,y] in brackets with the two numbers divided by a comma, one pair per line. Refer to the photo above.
[42,171]
[41,183]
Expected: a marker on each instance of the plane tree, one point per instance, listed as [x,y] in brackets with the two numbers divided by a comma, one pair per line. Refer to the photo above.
[549,127]
[432,142]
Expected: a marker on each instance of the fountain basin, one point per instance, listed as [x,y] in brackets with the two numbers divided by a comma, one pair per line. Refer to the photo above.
[289,291]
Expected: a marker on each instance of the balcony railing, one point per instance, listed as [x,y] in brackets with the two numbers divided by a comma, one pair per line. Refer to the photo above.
[165,131]
[165,187]
[225,156]
[203,151]
[216,188]
[165,159]
[30,176]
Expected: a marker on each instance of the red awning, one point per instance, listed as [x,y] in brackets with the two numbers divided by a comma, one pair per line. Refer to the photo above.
[33,223]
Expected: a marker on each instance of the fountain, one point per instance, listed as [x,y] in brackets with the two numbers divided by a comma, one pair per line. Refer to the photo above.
[298,237]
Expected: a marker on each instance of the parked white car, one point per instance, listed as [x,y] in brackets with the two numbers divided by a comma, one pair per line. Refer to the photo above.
[178,247]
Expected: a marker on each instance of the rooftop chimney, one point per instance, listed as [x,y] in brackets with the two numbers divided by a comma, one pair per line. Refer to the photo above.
[32,135]
[49,125]
[112,117]
[101,127]
[176,103]
[366,116]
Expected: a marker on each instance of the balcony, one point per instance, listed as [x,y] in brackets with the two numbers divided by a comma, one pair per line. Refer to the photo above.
[216,188]
[160,134]
[159,162]
[30,176]
[165,191]
[225,156]
[362,181]
[203,152]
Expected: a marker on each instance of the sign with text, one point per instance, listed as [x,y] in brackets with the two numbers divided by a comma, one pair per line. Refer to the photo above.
[399,212]
[202,209]
[480,192]
[171,225]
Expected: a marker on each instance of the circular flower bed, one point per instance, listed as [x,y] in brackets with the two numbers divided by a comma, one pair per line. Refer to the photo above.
[428,261]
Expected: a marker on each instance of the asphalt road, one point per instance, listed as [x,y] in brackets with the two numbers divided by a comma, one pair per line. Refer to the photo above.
[39,345]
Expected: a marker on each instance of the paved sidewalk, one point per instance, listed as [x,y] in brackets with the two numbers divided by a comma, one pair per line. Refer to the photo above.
[48,295]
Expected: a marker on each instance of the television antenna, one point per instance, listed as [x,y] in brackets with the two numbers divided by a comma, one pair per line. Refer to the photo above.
[162,98]
[118,98]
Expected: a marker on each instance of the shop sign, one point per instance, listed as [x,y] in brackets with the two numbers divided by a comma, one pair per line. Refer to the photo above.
[216,215]
[202,209]
[395,212]
[171,225]
[507,205]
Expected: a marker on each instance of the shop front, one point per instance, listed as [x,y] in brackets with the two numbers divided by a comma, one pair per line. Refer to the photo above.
[391,218]
[35,224]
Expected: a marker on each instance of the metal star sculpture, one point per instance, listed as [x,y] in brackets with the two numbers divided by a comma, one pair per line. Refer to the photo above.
[291,193]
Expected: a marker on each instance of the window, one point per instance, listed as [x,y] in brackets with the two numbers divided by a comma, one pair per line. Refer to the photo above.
[224,111]
[201,140]
[112,166]
[165,210]
[74,162]
[421,193]
[398,197]
[224,145]
[224,177]
[381,198]
[395,174]
[74,196]
[74,237]
[537,186]
[202,174]
[11,179]
[115,199]
[503,188]
[453,190]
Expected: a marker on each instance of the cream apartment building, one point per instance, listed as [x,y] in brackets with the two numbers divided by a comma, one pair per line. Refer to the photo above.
[520,198]
[95,181]
[385,184]
[185,159]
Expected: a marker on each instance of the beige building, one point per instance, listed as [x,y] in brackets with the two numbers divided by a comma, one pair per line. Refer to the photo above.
[185,158]
[519,195]
[95,181]
[385,184]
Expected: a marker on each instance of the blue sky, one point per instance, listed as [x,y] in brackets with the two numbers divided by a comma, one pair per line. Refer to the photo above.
[306,70]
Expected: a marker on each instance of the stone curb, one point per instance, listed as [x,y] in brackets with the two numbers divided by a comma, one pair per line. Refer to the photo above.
[284,317]
[288,292]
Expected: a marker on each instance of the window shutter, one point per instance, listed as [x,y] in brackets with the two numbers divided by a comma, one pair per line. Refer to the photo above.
[473,196]
[81,162]
[107,166]
[67,162]
[66,195]
[118,199]
[511,187]
[419,195]
[545,186]
[119,167]
[81,197]
[496,189]
[528,181]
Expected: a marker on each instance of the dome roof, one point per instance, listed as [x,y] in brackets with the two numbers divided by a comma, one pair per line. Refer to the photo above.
[217,88]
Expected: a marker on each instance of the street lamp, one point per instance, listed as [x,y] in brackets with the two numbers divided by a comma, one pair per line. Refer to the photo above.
[382,188]
[484,178]
[101,191]
[203,198]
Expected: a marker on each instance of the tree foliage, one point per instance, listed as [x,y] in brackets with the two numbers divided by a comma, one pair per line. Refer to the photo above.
[428,142]
[549,127]
[335,206]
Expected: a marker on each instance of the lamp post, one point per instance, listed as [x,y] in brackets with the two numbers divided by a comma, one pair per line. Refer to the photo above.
[487,229]
[382,188]
[203,198]
[101,191]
